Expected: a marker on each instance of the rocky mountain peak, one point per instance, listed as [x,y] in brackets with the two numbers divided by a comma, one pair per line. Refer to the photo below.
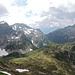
[3,23]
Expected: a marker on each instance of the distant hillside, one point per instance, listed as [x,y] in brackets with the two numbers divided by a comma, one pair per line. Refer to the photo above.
[63,35]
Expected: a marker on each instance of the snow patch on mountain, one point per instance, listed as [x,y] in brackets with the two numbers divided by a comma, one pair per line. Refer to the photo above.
[31,49]
[20,27]
[32,41]
[36,35]
[13,37]
[22,70]
[15,27]
[28,31]
[3,52]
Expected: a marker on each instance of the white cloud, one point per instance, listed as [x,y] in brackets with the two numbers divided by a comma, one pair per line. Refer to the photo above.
[20,14]
[37,6]
[32,12]
[3,11]
[57,17]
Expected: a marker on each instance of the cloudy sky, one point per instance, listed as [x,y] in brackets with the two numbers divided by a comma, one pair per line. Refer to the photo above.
[47,15]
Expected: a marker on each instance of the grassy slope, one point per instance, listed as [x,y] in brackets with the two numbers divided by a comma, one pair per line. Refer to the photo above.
[43,62]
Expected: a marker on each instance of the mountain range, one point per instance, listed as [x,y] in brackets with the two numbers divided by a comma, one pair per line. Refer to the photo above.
[14,41]
[21,38]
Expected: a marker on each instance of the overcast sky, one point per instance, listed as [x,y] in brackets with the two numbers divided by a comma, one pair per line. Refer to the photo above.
[47,15]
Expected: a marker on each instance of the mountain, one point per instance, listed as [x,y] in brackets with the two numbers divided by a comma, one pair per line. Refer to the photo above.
[14,41]
[19,43]
[36,36]
[63,35]
[53,59]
